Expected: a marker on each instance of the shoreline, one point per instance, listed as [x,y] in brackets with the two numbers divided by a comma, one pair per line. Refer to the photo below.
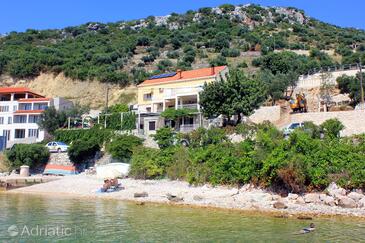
[248,201]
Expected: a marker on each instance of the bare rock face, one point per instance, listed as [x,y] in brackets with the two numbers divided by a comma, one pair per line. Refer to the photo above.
[140,194]
[347,202]
[362,203]
[197,198]
[300,200]
[312,198]
[355,196]
[280,205]
[327,200]
[336,191]
[174,198]
[292,196]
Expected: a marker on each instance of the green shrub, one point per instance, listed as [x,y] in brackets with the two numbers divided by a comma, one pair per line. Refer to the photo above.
[145,163]
[164,137]
[95,133]
[82,150]
[121,147]
[332,128]
[27,154]
[179,167]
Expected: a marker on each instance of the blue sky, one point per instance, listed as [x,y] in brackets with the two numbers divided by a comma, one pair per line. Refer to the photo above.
[19,15]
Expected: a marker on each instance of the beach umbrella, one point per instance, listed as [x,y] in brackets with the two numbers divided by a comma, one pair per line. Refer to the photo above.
[108,173]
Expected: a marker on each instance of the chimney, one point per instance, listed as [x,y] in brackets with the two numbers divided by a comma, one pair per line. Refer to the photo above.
[213,70]
[179,72]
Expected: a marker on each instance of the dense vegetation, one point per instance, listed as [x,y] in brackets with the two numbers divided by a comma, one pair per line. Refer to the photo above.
[112,52]
[302,162]
[27,154]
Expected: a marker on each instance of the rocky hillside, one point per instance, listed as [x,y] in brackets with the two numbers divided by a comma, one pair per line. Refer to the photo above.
[127,52]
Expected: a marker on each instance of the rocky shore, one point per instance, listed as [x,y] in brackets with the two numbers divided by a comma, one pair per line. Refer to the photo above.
[333,201]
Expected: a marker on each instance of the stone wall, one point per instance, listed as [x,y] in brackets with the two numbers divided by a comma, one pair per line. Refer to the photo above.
[314,81]
[266,113]
[352,120]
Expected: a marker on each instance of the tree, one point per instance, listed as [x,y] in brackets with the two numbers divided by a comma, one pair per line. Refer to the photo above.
[326,89]
[51,119]
[332,128]
[121,146]
[351,85]
[239,95]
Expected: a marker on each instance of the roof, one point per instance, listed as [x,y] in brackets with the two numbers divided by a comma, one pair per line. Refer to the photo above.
[29,111]
[16,90]
[186,75]
[34,99]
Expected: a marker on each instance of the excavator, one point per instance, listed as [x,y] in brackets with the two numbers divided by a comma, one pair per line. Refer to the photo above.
[299,104]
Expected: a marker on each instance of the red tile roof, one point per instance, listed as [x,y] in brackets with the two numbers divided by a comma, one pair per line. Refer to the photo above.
[34,99]
[184,75]
[17,90]
[29,111]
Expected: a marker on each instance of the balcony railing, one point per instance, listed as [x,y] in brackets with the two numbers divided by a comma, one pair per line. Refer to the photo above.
[188,127]
[188,106]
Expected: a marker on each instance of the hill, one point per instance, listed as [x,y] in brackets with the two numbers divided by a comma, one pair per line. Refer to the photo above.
[126,52]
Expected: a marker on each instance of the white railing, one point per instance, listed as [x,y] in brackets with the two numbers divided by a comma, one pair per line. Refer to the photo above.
[188,106]
[188,127]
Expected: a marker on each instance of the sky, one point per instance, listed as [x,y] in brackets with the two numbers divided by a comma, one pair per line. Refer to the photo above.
[20,15]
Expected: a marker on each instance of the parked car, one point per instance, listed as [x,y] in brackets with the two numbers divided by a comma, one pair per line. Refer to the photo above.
[291,127]
[57,147]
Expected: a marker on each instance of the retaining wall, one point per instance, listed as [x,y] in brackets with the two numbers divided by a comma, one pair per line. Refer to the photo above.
[354,121]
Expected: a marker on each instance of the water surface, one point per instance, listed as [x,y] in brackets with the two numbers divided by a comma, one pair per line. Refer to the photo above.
[40,219]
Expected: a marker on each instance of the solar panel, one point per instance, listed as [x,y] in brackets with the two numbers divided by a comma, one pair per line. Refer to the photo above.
[165,75]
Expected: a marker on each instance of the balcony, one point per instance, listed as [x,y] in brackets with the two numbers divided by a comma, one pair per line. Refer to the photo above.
[188,128]
[188,106]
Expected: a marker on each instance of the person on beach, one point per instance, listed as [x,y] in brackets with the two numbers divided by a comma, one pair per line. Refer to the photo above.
[106,186]
[311,228]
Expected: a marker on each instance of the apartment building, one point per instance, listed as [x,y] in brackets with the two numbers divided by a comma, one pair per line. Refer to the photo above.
[20,110]
[174,90]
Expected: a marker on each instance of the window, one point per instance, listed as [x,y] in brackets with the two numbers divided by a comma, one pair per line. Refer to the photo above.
[1,120]
[148,109]
[10,120]
[15,108]
[4,108]
[25,107]
[20,119]
[152,126]
[147,96]
[33,118]
[33,133]
[19,133]
[40,106]
[6,133]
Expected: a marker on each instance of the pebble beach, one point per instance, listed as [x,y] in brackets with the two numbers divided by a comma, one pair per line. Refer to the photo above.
[335,202]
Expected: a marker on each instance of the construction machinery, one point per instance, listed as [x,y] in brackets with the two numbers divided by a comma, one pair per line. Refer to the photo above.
[299,104]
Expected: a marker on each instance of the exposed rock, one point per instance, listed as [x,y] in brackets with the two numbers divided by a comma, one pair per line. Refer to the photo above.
[312,198]
[140,194]
[301,217]
[174,198]
[280,205]
[335,191]
[355,196]
[328,200]
[300,200]
[292,196]
[197,198]
[347,202]
[361,203]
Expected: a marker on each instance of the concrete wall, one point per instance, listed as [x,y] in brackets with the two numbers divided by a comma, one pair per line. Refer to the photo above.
[352,120]
[314,81]
[266,113]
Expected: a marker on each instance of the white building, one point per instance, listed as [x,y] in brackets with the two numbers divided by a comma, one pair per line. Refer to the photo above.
[20,110]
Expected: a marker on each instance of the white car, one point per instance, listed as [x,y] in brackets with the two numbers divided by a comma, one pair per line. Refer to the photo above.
[291,127]
[57,147]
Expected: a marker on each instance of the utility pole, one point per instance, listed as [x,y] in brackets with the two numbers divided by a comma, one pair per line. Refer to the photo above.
[361,87]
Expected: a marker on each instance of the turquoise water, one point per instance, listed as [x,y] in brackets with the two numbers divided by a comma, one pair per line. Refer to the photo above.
[50,219]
